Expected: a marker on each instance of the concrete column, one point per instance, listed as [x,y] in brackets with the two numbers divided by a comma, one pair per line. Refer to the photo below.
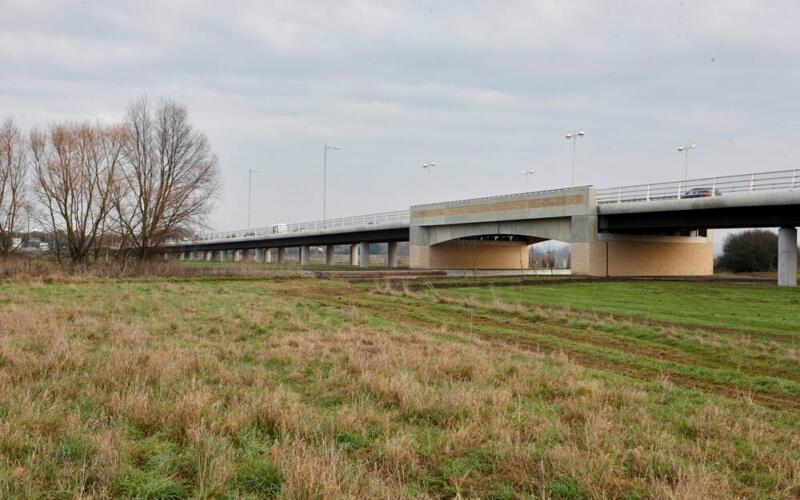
[392,254]
[281,255]
[237,255]
[330,252]
[166,256]
[209,255]
[221,255]
[787,256]
[305,255]
[353,255]
[267,255]
[363,254]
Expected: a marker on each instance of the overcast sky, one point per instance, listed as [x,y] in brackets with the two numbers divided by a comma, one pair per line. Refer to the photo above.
[484,88]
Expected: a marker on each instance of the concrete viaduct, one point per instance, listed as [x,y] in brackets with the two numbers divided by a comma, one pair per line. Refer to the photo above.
[645,230]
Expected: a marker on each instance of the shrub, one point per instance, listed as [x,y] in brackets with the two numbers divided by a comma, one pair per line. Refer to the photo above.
[749,251]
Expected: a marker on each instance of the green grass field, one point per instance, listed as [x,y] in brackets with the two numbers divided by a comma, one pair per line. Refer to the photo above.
[298,388]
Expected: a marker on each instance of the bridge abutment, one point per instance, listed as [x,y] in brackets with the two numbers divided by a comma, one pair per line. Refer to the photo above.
[644,255]
[470,254]
[787,256]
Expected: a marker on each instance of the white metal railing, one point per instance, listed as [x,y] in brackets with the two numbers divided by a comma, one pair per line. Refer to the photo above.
[783,180]
[280,230]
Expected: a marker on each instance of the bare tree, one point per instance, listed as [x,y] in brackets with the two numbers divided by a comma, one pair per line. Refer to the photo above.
[76,168]
[169,178]
[13,173]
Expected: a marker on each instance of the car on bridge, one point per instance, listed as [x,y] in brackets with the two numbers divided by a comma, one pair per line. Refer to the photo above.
[702,192]
[279,228]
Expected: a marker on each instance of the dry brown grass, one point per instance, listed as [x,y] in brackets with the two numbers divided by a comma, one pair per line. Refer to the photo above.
[51,271]
[242,388]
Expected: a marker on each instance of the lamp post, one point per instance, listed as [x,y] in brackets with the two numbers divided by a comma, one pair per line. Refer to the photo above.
[428,167]
[685,150]
[573,136]
[527,173]
[325,182]
[250,192]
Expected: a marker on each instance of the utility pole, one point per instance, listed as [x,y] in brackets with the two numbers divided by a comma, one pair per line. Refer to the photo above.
[250,193]
[573,136]
[325,182]
[685,150]
[527,173]
[428,167]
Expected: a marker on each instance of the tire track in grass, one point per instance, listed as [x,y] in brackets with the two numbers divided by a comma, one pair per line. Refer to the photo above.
[609,359]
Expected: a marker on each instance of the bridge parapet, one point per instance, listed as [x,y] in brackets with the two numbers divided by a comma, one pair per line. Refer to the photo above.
[709,187]
[397,218]
[522,206]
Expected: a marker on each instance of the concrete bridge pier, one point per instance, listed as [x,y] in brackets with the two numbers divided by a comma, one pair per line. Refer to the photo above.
[330,252]
[237,255]
[353,255]
[363,254]
[787,256]
[305,255]
[267,255]
[391,258]
[281,255]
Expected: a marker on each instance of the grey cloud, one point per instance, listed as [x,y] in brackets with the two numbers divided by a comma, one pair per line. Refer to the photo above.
[484,88]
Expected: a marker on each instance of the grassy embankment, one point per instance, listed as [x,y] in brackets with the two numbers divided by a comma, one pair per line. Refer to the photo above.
[299,388]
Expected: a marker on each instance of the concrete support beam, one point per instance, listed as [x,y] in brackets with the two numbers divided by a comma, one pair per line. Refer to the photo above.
[209,255]
[281,255]
[363,254]
[268,255]
[353,255]
[305,255]
[237,255]
[221,255]
[392,254]
[330,253]
[787,256]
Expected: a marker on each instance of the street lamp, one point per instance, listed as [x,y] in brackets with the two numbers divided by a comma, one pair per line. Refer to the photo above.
[527,173]
[685,150]
[573,136]
[325,182]
[250,192]
[428,166]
